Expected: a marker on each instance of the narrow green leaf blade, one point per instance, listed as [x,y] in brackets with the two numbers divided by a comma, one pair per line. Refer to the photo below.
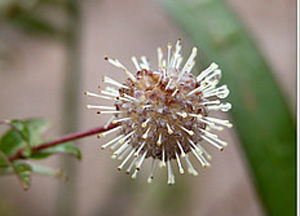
[23,171]
[260,113]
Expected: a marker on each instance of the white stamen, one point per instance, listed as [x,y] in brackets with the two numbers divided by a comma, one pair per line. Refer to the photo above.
[91,94]
[160,56]
[127,136]
[191,169]
[211,102]
[208,133]
[188,63]
[146,106]
[104,146]
[140,162]
[103,134]
[178,63]
[100,107]
[209,157]
[134,174]
[195,147]
[171,177]
[215,127]
[145,63]
[129,97]
[120,120]
[181,149]
[213,143]
[131,165]
[136,63]
[190,67]
[109,121]
[190,132]
[159,139]
[198,116]
[174,93]
[144,124]
[139,149]
[118,64]
[111,89]
[145,135]
[221,92]
[121,148]
[152,169]
[120,167]
[181,170]
[124,152]
[163,162]
[111,81]
[113,94]
[223,143]
[170,131]
[176,54]
[225,123]
[224,107]
[200,158]
[169,83]
[213,66]
[169,55]
[111,112]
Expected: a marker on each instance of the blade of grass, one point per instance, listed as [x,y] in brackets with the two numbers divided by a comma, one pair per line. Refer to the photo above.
[262,118]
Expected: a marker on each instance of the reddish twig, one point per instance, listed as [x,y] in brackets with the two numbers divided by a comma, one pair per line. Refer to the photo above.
[69,137]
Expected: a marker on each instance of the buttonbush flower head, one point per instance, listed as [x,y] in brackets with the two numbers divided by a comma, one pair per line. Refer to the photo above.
[164,114]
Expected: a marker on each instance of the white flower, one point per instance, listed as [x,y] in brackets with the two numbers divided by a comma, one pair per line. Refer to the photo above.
[164,114]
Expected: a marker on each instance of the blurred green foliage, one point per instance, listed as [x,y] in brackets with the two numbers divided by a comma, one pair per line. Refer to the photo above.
[262,118]
[26,134]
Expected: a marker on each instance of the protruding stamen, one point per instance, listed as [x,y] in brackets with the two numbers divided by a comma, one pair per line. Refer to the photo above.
[160,56]
[198,116]
[223,143]
[120,167]
[195,147]
[145,63]
[169,83]
[220,92]
[211,102]
[152,169]
[188,63]
[139,149]
[136,63]
[120,120]
[221,148]
[124,153]
[110,112]
[104,146]
[127,136]
[174,93]
[110,131]
[91,94]
[208,133]
[213,66]
[200,158]
[110,120]
[134,175]
[181,149]
[163,162]
[225,123]
[159,140]
[131,165]
[190,132]
[171,177]
[100,107]
[122,148]
[224,107]
[145,135]
[170,131]
[208,156]
[118,64]
[144,124]
[109,93]
[111,81]
[191,169]
[169,55]
[146,106]
[181,170]
[178,63]
[129,97]
[140,162]
[176,54]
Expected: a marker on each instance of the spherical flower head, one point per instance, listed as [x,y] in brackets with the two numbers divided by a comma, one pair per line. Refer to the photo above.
[164,113]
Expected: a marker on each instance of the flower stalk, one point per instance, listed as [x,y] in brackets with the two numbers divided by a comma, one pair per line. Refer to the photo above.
[66,138]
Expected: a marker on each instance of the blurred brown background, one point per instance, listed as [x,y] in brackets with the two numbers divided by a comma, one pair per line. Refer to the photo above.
[32,84]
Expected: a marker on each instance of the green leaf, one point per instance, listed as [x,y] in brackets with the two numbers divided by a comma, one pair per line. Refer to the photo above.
[67,148]
[23,171]
[24,133]
[48,171]
[260,113]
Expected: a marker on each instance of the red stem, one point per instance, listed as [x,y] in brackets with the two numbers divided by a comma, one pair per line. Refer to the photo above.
[69,137]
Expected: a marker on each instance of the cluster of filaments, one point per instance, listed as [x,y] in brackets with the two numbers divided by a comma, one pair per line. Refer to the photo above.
[163,114]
